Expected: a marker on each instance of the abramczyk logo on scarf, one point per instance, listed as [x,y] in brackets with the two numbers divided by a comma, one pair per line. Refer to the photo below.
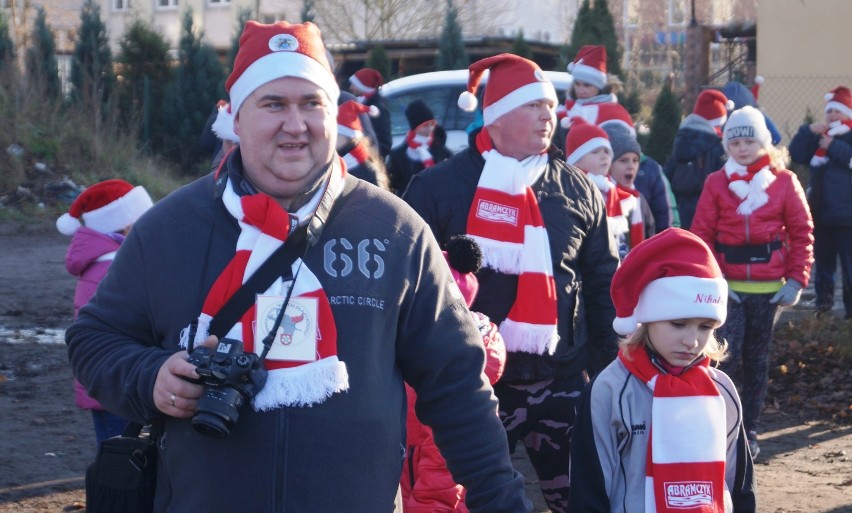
[689,494]
[490,211]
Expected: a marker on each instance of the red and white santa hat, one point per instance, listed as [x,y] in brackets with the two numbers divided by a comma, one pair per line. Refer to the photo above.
[672,275]
[590,65]
[512,82]
[348,123]
[839,99]
[367,80]
[271,51]
[106,207]
[584,138]
[713,106]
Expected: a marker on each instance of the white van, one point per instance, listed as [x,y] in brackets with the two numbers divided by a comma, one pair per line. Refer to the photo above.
[440,90]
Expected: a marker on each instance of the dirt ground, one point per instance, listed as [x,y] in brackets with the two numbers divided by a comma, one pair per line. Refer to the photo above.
[46,442]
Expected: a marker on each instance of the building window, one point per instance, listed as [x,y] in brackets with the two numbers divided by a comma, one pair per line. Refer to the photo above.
[167,4]
[631,13]
[216,3]
[120,5]
[679,12]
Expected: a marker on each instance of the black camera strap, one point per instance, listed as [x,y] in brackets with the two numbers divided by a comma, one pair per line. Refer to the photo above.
[278,263]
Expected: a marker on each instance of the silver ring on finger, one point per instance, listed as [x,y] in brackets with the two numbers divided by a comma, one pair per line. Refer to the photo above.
[172,400]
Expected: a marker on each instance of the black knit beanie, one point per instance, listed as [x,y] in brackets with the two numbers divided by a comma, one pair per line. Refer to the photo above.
[418,113]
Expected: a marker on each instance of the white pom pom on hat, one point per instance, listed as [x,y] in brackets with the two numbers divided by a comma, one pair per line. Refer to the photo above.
[67,224]
[223,126]
[467,101]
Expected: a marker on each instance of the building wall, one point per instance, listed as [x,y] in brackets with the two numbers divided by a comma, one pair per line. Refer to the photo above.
[653,33]
[804,49]
[216,20]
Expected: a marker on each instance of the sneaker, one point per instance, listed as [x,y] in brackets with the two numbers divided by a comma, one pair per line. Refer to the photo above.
[753,448]
[752,444]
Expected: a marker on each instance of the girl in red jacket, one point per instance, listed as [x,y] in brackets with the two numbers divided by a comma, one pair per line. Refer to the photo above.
[426,484]
[753,213]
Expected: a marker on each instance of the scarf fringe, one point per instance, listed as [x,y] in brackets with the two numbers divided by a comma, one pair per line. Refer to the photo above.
[522,337]
[500,256]
[305,385]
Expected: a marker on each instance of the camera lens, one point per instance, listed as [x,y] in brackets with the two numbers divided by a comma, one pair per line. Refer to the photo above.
[211,425]
[217,412]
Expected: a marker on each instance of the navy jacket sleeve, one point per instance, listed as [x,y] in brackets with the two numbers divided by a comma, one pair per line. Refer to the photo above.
[803,145]
[840,151]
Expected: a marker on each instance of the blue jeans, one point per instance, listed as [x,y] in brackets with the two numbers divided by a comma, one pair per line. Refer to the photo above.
[829,243]
[107,425]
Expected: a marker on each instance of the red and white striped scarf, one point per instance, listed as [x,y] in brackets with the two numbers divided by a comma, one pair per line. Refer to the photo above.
[505,221]
[685,467]
[418,148]
[264,227]
[630,205]
[357,155]
[835,128]
[620,205]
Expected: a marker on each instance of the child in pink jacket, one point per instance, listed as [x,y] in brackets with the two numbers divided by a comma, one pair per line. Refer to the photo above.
[97,222]
[426,484]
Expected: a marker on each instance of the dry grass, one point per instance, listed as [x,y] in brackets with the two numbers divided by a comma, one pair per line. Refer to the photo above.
[66,142]
[811,373]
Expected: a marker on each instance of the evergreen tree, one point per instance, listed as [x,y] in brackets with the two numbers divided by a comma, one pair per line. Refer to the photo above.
[666,120]
[563,59]
[583,33]
[41,65]
[145,72]
[7,48]
[631,101]
[308,12]
[520,46]
[608,37]
[378,60]
[243,16]
[451,51]
[190,98]
[595,26]
[92,76]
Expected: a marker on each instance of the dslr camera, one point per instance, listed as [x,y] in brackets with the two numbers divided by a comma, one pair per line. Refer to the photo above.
[231,378]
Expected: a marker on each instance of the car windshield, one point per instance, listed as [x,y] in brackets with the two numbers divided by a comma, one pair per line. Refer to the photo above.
[441,99]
